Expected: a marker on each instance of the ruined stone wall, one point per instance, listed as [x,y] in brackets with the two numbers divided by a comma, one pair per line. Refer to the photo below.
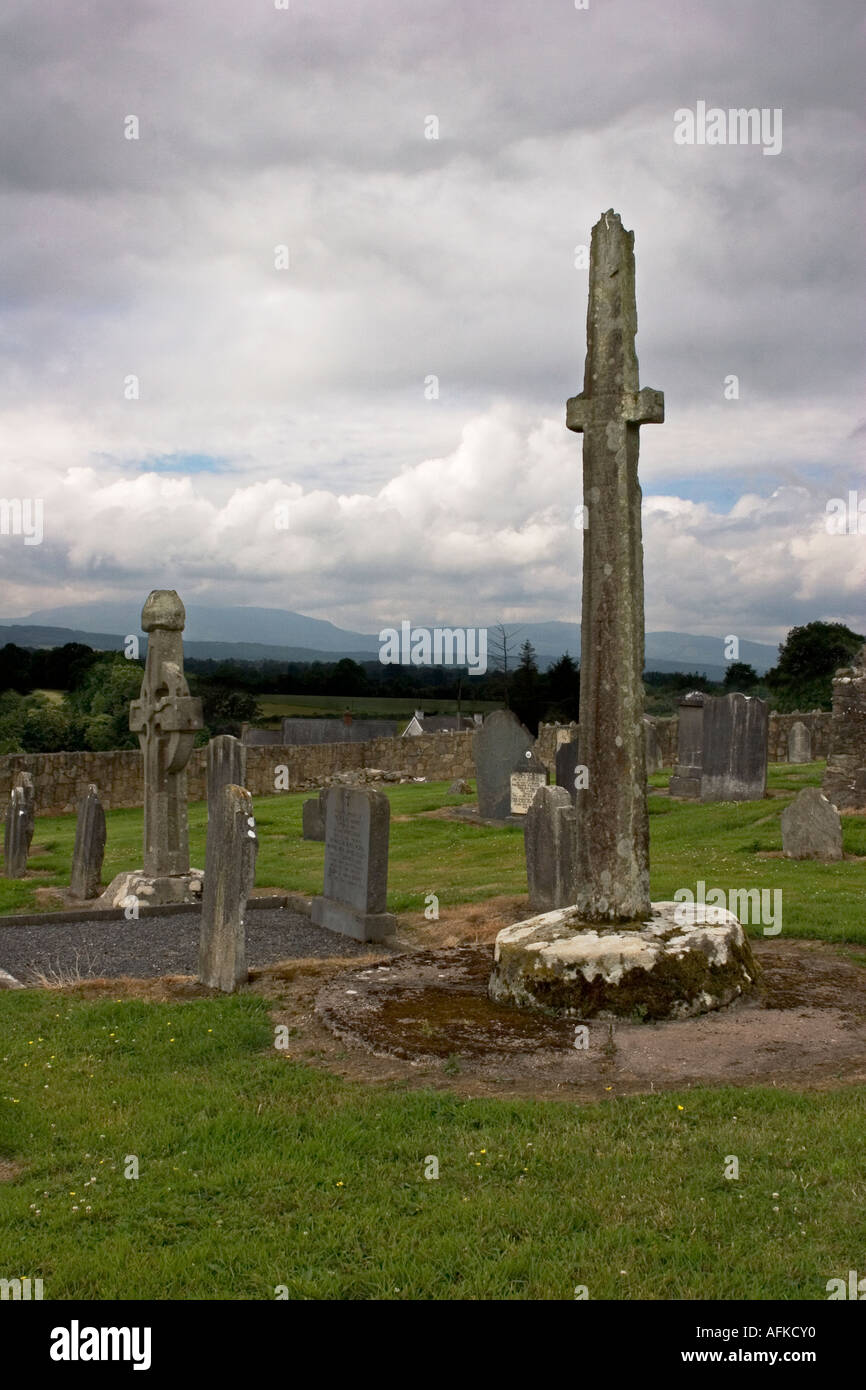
[59,779]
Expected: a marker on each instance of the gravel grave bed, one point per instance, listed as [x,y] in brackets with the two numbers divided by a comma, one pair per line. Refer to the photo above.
[155,946]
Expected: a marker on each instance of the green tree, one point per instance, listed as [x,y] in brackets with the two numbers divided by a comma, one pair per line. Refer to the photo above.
[808,658]
[740,676]
[562,687]
[526,688]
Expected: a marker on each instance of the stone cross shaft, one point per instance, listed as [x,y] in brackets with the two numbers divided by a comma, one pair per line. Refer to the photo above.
[612,856]
[165,717]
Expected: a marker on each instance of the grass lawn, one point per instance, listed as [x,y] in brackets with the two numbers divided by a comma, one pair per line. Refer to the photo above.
[256,1171]
[469,863]
[274,707]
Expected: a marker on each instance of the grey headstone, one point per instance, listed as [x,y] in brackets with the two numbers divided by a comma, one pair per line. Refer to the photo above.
[527,776]
[460,788]
[612,843]
[567,759]
[313,818]
[25,782]
[736,738]
[357,829]
[548,836]
[15,834]
[85,880]
[497,748]
[230,869]
[811,827]
[845,776]
[686,779]
[226,767]
[652,747]
[799,743]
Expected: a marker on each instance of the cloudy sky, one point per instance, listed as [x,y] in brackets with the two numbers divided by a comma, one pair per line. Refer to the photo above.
[301,393]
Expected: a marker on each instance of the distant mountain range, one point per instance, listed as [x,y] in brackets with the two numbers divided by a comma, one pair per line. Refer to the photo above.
[274,634]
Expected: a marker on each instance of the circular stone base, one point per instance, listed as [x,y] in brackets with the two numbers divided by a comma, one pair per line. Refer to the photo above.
[150,890]
[685,960]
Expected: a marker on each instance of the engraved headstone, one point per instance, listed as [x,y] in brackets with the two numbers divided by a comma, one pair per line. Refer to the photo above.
[357,829]
[85,879]
[736,739]
[799,743]
[811,827]
[845,777]
[548,836]
[230,870]
[497,748]
[528,775]
[686,779]
[15,836]
[612,854]
[313,818]
[226,767]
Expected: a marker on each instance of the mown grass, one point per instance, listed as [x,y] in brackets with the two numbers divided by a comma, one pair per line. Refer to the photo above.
[256,1172]
[275,707]
[722,845]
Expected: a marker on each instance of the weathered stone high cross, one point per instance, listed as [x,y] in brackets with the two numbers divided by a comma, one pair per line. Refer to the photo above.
[612,858]
[165,717]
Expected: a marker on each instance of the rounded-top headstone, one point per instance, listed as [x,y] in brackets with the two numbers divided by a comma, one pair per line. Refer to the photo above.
[163,608]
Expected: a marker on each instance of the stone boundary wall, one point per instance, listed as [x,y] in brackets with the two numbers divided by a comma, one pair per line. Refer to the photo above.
[59,779]
[817,722]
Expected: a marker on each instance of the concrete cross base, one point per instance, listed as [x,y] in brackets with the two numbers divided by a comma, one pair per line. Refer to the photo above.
[148,889]
[361,926]
[686,959]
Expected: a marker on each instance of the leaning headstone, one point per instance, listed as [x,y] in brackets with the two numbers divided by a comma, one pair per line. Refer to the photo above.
[226,767]
[25,782]
[799,743]
[15,837]
[528,775]
[230,869]
[567,756]
[686,779]
[736,738]
[460,788]
[357,828]
[85,879]
[811,827]
[845,776]
[313,818]
[548,836]
[652,747]
[497,748]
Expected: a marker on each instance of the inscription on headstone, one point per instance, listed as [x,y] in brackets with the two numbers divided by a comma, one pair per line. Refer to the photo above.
[527,777]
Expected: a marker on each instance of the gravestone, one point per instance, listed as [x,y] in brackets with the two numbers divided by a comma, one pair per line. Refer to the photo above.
[845,776]
[686,779]
[25,782]
[15,834]
[226,767]
[548,837]
[652,747]
[497,748]
[166,718]
[528,775]
[567,762]
[811,827]
[799,743]
[354,901]
[313,818]
[85,878]
[230,870]
[611,949]
[736,737]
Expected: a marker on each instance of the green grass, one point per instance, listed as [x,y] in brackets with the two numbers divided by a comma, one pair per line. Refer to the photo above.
[464,863]
[274,707]
[256,1171]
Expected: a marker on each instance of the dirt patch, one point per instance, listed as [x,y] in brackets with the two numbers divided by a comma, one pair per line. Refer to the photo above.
[9,1171]
[430,1010]
[468,923]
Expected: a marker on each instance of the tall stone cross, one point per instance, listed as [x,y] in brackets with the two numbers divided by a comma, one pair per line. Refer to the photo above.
[612,852]
[165,717]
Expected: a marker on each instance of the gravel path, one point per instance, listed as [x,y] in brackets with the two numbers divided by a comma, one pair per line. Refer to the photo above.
[155,946]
